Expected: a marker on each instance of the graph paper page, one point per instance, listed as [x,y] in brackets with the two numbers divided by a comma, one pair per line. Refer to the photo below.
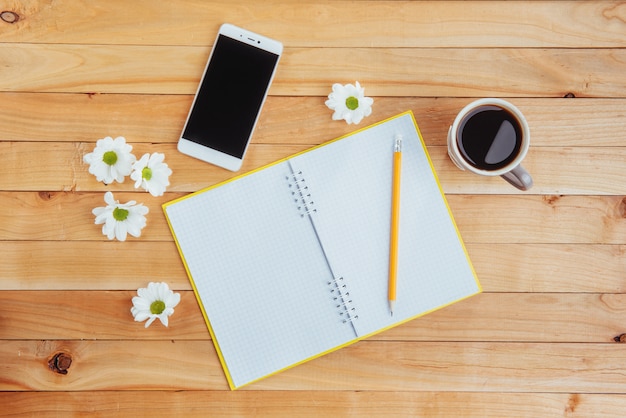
[260,274]
[356,175]
[277,281]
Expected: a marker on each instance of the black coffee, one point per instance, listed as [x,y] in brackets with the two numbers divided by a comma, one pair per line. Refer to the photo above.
[490,137]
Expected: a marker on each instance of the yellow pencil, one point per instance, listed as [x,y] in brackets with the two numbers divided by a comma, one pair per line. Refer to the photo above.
[395,221]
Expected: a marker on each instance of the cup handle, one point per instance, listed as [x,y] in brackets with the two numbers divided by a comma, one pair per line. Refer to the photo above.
[519,178]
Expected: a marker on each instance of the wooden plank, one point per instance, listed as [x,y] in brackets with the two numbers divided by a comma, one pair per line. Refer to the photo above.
[544,268]
[305,404]
[101,69]
[526,317]
[452,72]
[482,72]
[66,170]
[89,265]
[489,367]
[67,216]
[550,267]
[118,365]
[368,365]
[87,117]
[403,23]
[540,219]
[481,219]
[497,317]
[555,170]
[93,315]
[288,120]
[538,342]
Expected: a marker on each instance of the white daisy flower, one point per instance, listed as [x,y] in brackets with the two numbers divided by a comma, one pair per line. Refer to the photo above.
[120,219]
[151,173]
[349,103]
[111,160]
[155,301]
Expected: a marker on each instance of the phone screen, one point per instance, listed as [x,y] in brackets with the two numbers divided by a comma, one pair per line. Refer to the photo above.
[230,96]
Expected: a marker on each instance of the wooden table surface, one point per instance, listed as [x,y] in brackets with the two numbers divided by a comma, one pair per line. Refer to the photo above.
[540,340]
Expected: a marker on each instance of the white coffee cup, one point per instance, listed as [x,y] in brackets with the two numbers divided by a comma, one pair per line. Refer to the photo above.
[491,137]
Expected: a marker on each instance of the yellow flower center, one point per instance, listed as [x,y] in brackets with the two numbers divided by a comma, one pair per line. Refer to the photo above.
[146,173]
[109,157]
[120,214]
[157,307]
[352,103]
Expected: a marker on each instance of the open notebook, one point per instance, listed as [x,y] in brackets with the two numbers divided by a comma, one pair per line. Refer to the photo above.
[290,261]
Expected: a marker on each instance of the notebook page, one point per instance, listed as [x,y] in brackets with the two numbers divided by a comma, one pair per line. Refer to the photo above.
[260,273]
[355,174]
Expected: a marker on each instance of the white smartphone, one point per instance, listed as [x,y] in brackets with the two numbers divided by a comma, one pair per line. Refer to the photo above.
[230,96]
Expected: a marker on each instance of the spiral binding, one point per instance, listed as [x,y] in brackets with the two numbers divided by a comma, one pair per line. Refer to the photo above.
[338,289]
[342,300]
[301,194]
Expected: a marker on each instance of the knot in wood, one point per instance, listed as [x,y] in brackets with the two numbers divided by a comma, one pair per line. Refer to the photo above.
[46,195]
[620,338]
[9,17]
[60,362]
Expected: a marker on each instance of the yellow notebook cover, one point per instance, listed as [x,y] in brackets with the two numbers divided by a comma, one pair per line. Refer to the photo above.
[290,261]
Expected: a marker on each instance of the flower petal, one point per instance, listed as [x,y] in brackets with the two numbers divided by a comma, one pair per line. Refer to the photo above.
[172,300]
[337,102]
[164,319]
[161,290]
[147,294]
[105,171]
[109,199]
[141,315]
[141,303]
[121,231]
[156,159]
[109,232]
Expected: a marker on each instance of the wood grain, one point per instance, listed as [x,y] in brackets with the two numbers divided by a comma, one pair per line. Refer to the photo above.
[480,218]
[52,265]
[95,315]
[496,317]
[592,368]
[555,267]
[410,23]
[367,366]
[540,219]
[538,342]
[306,404]
[158,119]
[499,72]
[556,170]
